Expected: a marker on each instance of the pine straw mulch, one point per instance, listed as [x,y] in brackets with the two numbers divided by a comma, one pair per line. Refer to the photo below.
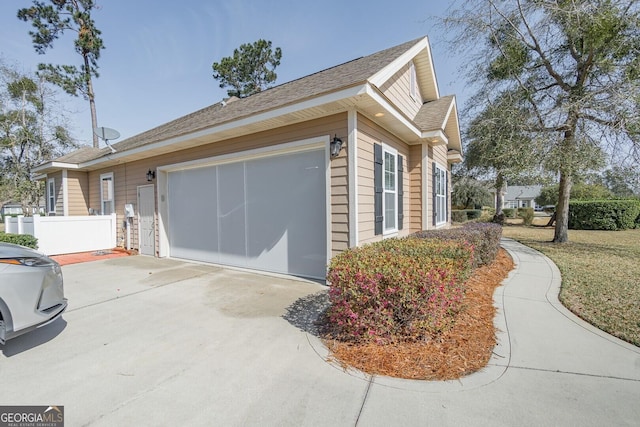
[462,350]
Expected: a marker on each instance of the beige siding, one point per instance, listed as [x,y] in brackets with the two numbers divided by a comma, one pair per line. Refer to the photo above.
[415,187]
[127,177]
[440,155]
[78,192]
[398,90]
[368,134]
[339,202]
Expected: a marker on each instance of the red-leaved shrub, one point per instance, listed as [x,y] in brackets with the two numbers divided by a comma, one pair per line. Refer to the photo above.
[397,289]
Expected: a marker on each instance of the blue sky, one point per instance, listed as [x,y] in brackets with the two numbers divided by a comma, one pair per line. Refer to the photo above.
[157,63]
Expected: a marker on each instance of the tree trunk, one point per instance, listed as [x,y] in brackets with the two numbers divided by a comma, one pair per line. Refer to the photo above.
[92,103]
[94,122]
[499,189]
[562,211]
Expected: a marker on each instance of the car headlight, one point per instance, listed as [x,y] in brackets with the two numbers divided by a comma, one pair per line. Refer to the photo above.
[29,262]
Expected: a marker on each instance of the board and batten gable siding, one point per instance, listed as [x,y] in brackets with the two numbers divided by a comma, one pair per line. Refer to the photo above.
[369,134]
[78,192]
[398,90]
[128,176]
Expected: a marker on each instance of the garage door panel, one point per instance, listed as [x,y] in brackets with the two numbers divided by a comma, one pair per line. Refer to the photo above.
[192,230]
[286,213]
[268,187]
[231,214]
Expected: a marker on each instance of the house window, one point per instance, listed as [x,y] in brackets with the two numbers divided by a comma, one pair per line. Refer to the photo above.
[390,191]
[51,195]
[440,194]
[106,193]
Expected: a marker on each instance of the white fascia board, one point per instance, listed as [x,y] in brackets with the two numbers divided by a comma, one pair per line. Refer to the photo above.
[447,115]
[256,118]
[391,109]
[449,110]
[437,135]
[58,165]
[433,70]
[387,72]
[455,157]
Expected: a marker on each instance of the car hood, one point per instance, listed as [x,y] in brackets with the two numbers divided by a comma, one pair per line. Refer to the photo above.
[9,250]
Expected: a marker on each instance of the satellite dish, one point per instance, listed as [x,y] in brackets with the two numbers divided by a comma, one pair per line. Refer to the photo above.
[107,134]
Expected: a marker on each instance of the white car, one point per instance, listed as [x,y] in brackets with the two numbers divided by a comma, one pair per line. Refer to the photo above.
[31,290]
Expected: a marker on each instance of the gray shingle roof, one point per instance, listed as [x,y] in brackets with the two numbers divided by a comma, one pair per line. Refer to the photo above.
[83,154]
[330,80]
[432,114]
[350,74]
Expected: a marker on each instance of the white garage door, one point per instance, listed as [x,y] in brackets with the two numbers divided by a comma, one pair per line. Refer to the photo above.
[266,214]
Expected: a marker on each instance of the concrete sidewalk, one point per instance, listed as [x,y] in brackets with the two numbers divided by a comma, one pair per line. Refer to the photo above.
[150,341]
[550,368]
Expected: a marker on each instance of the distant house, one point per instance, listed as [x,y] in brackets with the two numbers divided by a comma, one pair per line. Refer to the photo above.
[11,209]
[15,209]
[286,178]
[521,196]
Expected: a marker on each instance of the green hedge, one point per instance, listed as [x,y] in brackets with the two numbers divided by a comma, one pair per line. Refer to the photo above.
[20,239]
[526,214]
[397,289]
[509,212]
[603,214]
[474,213]
[463,215]
[458,215]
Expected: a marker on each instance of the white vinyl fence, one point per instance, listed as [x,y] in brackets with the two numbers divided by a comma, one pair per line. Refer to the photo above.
[67,234]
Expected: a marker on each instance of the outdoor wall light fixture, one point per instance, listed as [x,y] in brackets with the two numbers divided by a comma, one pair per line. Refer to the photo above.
[335,146]
[151,175]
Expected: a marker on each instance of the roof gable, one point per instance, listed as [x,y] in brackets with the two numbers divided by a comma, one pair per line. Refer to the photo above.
[420,53]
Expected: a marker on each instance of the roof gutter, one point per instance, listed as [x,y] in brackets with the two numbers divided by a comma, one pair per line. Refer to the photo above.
[56,165]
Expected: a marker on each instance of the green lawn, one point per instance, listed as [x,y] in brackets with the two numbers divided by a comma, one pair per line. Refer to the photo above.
[600,275]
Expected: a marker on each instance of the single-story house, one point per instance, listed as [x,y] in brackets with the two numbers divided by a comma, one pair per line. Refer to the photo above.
[10,209]
[521,196]
[15,209]
[286,178]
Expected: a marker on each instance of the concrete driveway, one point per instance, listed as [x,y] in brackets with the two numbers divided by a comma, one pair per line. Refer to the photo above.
[160,342]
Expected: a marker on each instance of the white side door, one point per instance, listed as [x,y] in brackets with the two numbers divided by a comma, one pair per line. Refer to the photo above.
[146,221]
